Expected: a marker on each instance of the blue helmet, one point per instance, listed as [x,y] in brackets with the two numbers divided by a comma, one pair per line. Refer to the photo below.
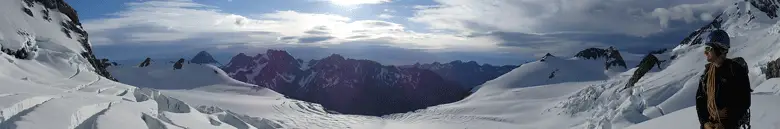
[718,39]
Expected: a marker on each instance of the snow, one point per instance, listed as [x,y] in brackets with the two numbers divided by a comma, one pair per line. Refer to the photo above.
[59,88]
[538,73]
[771,86]
[764,115]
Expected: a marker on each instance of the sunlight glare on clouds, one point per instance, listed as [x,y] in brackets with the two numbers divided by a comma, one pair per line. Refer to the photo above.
[356,2]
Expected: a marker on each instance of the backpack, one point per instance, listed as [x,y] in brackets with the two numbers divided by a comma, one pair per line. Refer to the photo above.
[745,121]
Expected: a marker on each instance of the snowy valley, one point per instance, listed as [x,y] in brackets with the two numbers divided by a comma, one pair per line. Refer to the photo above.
[49,79]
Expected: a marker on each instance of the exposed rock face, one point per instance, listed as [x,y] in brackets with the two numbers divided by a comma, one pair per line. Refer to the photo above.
[346,85]
[611,55]
[644,66]
[614,59]
[178,64]
[772,69]
[769,7]
[146,62]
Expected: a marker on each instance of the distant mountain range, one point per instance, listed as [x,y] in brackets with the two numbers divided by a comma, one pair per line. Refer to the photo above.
[467,74]
[362,87]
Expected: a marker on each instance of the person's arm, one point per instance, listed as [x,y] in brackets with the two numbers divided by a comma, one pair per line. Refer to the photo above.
[701,103]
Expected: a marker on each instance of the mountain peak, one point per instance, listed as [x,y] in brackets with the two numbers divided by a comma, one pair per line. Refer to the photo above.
[592,53]
[548,54]
[272,52]
[204,57]
[241,55]
[336,57]
[456,62]
[472,63]
[280,55]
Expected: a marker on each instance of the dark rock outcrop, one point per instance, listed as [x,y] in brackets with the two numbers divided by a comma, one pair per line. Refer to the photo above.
[772,69]
[344,85]
[146,62]
[659,51]
[643,67]
[611,55]
[769,7]
[178,64]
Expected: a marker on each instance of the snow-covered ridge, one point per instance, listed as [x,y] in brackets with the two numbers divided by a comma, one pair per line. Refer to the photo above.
[549,70]
[46,70]
[34,27]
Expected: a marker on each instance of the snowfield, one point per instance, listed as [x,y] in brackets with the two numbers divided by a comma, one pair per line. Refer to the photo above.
[58,89]
[764,115]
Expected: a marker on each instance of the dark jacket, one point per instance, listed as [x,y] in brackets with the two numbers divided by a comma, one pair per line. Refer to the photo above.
[732,93]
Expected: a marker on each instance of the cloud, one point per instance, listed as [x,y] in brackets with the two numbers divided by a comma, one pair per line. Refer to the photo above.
[319,30]
[567,44]
[497,31]
[305,39]
[314,39]
[385,16]
[163,22]
[630,17]
[687,12]
[357,2]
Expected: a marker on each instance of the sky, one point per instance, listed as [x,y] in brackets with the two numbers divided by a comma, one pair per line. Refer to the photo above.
[394,32]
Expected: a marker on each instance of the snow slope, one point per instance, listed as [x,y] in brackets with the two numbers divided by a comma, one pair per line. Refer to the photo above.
[191,76]
[764,108]
[550,71]
[606,104]
[56,88]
